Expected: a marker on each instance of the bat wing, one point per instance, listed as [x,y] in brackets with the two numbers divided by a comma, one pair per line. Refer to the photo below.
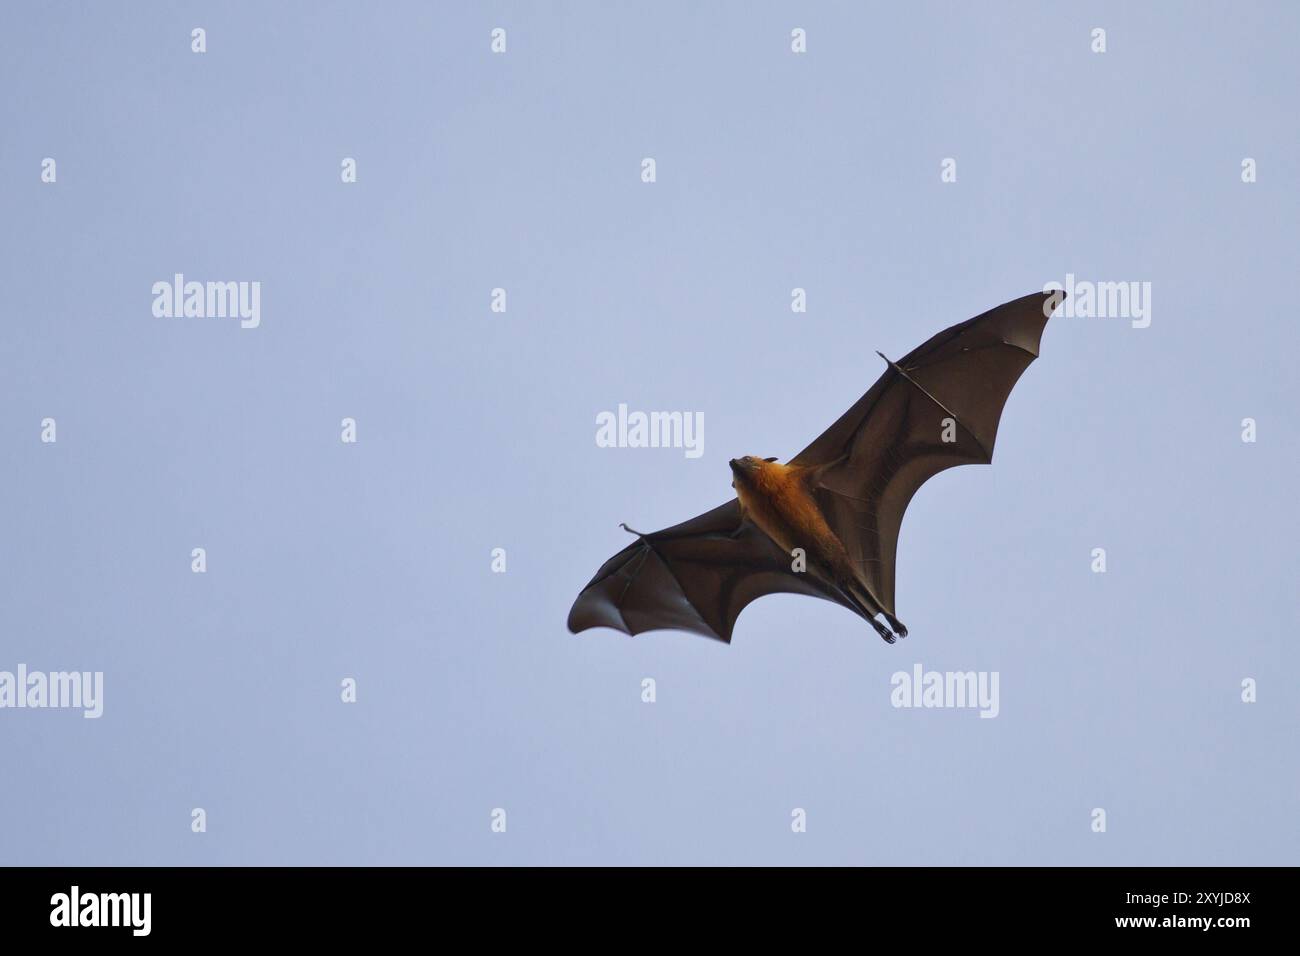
[696,576]
[935,408]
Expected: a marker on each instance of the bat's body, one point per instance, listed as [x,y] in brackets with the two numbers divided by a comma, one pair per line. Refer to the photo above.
[826,523]
[779,500]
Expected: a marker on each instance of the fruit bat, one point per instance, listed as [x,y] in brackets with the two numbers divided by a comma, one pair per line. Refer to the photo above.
[826,522]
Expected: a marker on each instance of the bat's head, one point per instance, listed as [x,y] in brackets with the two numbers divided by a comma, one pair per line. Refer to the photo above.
[748,468]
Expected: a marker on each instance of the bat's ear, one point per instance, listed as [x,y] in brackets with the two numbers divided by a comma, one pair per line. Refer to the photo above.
[769,459]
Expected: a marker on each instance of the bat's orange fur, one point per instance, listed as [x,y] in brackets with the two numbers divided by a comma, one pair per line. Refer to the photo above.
[778,499]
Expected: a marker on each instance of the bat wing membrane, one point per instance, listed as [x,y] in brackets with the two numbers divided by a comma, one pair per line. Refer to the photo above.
[696,576]
[937,407]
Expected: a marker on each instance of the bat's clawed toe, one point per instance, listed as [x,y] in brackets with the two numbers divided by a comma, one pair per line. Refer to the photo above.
[885,634]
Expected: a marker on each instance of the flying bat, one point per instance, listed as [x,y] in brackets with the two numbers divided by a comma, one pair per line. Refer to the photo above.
[826,522]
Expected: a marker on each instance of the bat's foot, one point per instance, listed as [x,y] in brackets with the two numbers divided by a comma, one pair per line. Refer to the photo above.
[883,631]
[897,625]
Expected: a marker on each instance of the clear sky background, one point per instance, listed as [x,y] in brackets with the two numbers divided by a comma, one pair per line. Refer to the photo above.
[477,430]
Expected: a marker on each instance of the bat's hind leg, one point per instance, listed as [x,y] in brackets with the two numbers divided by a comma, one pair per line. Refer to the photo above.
[883,631]
[897,625]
